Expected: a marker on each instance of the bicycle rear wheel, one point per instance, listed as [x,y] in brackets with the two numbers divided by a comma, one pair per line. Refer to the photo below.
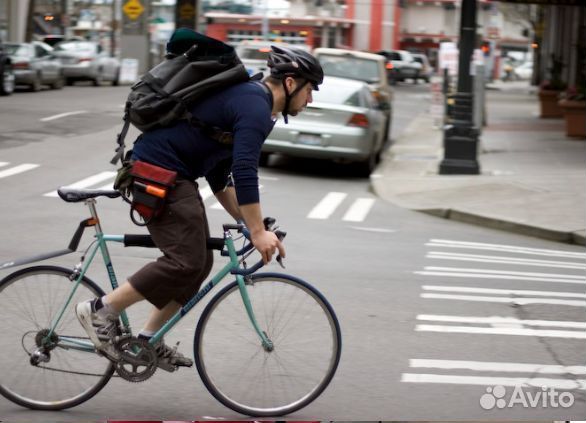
[240,373]
[30,299]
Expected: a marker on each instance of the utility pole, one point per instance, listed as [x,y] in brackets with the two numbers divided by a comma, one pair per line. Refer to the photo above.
[460,135]
[265,20]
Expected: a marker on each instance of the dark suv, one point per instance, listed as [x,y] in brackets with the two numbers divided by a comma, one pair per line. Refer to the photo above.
[6,72]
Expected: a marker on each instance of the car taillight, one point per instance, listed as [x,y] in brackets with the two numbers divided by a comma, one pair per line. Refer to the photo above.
[389,65]
[84,59]
[358,119]
[21,65]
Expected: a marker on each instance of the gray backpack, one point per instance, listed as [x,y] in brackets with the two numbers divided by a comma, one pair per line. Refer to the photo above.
[166,93]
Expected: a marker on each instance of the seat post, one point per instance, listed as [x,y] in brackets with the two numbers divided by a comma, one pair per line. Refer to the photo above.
[91,203]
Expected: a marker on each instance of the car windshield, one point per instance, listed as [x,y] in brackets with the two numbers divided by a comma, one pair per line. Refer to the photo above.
[337,94]
[77,47]
[350,67]
[17,49]
[258,53]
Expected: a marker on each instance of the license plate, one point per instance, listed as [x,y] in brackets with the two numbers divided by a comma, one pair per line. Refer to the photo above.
[309,139]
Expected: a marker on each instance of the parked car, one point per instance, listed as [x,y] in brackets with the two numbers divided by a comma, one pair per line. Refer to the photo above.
[254,54]
[365,67]
[35,65]
[344,122]
[6,72]
[86,60]
[400,65]
[53,39]
[426,70]
[524,71]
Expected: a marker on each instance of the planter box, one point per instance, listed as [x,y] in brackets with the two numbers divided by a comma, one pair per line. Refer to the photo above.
[548,100]
[575,116]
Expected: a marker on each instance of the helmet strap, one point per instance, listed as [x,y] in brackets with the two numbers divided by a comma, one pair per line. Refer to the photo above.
[288,98]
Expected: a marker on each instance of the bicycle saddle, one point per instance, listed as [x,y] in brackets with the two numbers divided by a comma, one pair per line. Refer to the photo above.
[75,195]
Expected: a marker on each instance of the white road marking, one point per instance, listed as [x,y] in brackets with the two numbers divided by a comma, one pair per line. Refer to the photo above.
[505,260]
[503,272]
[498,320]
[87,182]
[327,205]
[217,206]
[566,384]
[508,248]
[359,210]
[493,366]
[502,291]
[502,331]
[383,230]
[205,192]
[46,119]
[4,164]
[267,178]
[518,301]
[18,169]
[493,276]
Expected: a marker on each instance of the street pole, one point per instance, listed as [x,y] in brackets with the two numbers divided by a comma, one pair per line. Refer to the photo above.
[460,134]
[265,20]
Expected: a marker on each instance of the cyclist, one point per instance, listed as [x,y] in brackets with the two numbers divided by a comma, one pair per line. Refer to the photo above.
[180,232]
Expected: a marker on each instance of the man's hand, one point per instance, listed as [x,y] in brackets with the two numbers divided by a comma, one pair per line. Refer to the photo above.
[267,243]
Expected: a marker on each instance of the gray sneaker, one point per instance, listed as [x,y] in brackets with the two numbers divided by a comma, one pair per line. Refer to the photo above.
[170,358]
[101,331]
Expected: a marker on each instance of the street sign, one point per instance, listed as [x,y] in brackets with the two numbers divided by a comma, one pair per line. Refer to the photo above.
[133,9]
[186,14]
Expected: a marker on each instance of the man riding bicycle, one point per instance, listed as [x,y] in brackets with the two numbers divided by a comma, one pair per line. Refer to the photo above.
[181,230]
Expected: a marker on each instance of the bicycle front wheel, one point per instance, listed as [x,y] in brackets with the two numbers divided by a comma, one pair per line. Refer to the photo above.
[243,375]
[30,300]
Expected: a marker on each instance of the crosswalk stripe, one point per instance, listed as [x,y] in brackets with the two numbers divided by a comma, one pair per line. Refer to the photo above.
[18,169]
[444,243]
[205,192]
[492,366]
[87,182]
[502,291]
[327,205]
[505,260]
[503,272]
[358,210]
[516,300]
[502,331]
[2,164]
[566,384]
[499,320]
[493,276]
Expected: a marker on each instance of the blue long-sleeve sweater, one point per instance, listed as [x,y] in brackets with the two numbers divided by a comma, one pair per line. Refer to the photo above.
[245,110]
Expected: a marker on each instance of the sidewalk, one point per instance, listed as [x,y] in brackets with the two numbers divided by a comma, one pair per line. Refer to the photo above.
[533,178]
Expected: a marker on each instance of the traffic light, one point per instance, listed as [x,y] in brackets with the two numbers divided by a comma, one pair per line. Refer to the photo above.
[485,47]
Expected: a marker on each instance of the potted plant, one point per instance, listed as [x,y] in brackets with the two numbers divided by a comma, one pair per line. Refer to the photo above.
[550,90]
[573,105]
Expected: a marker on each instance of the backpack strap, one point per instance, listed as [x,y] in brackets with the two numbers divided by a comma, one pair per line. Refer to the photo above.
[122,135]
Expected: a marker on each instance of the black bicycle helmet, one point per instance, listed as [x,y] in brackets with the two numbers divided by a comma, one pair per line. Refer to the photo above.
[296,63]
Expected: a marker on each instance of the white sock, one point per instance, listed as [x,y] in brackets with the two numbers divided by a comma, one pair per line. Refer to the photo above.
[107,311]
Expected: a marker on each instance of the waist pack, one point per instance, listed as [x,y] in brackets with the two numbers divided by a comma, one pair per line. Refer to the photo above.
[166,93]
[149,188]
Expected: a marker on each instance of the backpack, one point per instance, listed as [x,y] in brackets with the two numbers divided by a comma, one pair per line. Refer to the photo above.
[165,94]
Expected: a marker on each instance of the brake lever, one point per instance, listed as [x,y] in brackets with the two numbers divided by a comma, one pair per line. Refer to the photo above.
[280,261]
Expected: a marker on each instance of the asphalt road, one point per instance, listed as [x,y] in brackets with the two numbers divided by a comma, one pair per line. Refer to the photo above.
[434,313]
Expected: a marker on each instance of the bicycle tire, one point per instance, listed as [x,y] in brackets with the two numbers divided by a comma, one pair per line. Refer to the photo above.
[29,299]
[305,321]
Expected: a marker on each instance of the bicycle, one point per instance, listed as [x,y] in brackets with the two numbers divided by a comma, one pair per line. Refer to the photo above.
[266,344]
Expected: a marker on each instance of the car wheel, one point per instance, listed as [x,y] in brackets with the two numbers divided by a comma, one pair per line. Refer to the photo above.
[59,83]
[36,84]
[264,159]
[7,80]
[68,81]
[116,80]
[366,167]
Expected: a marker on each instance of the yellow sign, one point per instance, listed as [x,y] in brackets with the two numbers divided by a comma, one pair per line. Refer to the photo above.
[186,11]
[133,9]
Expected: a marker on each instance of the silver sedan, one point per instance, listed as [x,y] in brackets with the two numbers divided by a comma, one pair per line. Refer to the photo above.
[35,64]
[344,123]
[85,60]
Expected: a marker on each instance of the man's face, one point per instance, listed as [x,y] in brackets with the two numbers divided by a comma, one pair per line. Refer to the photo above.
[302,98]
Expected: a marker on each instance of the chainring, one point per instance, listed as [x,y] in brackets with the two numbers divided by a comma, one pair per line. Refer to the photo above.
[138,359]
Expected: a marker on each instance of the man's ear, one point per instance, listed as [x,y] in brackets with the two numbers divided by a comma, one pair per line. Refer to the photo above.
[290,83]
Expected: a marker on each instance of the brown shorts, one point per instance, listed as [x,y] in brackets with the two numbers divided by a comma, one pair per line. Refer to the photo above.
[180,232]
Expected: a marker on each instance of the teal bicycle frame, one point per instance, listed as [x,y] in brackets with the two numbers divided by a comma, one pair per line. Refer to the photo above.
[100,244]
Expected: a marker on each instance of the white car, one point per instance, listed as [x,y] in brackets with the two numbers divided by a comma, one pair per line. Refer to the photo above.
[524,71]
[85,60]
